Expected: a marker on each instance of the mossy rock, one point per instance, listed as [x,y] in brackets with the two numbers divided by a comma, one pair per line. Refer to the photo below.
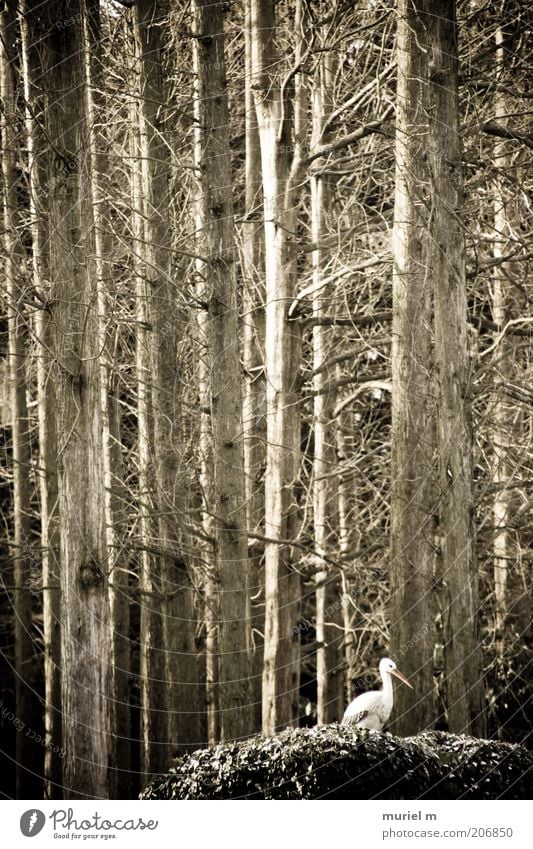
[334,762]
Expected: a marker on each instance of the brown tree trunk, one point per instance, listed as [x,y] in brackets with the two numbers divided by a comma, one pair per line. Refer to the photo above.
[343,489]
[33,62]
[205,448]
[111,457]
[86,643]
[181,668]
[329,632]
[126,784]
[502,437]
[155,751]
[462,648]
[218,243]
[412,602]
[254,421]
[27,756]
[281,158]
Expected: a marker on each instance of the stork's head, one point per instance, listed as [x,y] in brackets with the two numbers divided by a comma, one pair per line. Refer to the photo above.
[388,667]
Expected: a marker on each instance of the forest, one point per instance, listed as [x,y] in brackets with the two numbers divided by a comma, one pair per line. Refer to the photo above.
[265,376]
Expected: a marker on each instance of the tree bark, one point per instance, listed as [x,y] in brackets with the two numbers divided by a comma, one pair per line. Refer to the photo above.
[329,631]
[86,640]
[254,421]
[166,321]
[462,648]
[343,490]
[412,602]
[281,162]
[27,781]
[111,455]
[218,243]
[205,449]
[154,742]
[34,61]
[502,436]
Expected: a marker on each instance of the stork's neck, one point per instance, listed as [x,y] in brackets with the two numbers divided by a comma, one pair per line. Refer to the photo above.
[388,693]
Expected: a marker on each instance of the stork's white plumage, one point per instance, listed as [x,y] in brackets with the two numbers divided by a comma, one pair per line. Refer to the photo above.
[372,710]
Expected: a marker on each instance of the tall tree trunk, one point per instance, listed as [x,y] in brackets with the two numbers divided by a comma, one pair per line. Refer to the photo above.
[205,447]
[86,644]
[281,158]
[111,458]
[343,532]
[155,751]
[218,241]
[181,668]
[502,435]
[412,603]
[329,636]
[32,66]
[126,783]
[27,781]
[254,421]
[462,649]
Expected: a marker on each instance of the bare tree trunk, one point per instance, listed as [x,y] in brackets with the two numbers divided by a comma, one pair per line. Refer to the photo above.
[27,782]
[152,672]
[412,603]
[254,420]
[86,643]
[111,457]
[281,158]
[151,28]
[462,649]
[218,241]
[32,67]
[205,447]
[126,783]
[329,635]
[502,434]
[343,531]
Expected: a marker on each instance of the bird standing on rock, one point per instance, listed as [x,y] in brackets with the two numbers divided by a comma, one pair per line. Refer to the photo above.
[372,710]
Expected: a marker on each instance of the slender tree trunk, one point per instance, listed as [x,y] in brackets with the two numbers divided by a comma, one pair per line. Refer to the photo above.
[218,241]
[126,783]
[111,459]
[32,67]
[254,420]
[329,635]
[205,447]
[155,751]
[343,531]
[27,783]
[412,603]
[502,432]
[462,649]
[181,675]
[86,643]
[281,157]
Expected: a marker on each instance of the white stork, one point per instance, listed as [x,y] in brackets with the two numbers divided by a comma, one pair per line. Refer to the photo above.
[372,710]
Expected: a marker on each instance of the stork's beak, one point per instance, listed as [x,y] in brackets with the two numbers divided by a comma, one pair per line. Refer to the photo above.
[402,678]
